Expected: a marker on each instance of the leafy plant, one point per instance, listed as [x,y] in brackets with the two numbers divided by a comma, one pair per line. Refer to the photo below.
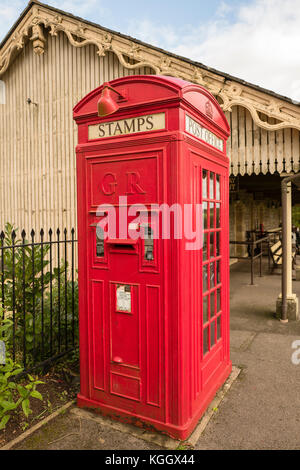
[40,301]
[12,394]
[51,328]
[22,278]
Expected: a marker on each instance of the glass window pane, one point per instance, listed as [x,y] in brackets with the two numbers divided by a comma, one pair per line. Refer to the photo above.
[218,187]
[205,277]
[204,184]
[219,327]
[205,255]
[218,272]
[211,185]
[205,309]
[218,243]
[212,275]
[205,341]
[211,215]
[218,300]
[218,215]
[100,242]
[212,244]
[148,243]
[212,333]
[212,304]
[204,208]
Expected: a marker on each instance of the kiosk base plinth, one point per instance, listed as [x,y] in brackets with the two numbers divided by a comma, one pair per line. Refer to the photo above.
[176,432]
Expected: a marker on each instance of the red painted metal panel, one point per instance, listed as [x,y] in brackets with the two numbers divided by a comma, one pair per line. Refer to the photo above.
[98,324]
[154,345]
[125,386]
[124,326]
[154,316]
[122,177]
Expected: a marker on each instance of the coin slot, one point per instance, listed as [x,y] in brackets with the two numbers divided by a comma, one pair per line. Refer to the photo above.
[148,243]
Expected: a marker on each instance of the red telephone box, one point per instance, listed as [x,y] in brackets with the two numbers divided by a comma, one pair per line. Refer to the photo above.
[154,311]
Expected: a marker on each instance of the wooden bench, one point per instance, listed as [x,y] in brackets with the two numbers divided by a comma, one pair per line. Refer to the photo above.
[276,254]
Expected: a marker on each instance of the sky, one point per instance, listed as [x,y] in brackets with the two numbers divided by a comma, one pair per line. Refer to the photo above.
[255,40]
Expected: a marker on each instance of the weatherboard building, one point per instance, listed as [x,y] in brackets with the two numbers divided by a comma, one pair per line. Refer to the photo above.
[50,59]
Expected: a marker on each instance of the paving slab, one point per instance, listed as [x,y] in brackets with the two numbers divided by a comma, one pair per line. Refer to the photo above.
[252,308]
[241,340]
[70,432]
[90,430]
[262,410]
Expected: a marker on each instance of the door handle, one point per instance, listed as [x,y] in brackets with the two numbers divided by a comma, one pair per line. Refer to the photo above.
[117,359]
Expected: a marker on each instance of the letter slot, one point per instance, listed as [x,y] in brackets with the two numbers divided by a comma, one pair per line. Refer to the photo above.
[121,245]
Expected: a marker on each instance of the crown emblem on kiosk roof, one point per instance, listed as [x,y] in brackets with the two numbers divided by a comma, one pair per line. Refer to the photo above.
[209,109]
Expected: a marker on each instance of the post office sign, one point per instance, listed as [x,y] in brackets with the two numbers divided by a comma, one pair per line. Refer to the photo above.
[202,133]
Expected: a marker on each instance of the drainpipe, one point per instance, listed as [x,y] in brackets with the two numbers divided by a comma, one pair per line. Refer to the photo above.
[286,279]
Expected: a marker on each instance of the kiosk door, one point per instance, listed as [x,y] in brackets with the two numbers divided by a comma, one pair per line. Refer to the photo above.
[125,307]
[213,273]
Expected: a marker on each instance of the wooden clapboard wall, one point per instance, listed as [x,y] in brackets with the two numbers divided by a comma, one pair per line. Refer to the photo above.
[37,158]
[37,143]
[255,150]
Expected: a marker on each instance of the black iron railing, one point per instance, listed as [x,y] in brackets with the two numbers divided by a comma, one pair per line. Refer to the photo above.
[255,251]
[39,294]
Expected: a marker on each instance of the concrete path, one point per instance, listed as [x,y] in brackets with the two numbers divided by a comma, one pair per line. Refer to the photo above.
[260,411]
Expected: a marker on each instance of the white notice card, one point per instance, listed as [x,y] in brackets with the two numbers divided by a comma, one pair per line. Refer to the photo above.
[124,298]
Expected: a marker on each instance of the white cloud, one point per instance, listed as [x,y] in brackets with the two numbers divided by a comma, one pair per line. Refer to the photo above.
[87,9]
[224,9]
[260,46]
[83,8]
[9,12]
